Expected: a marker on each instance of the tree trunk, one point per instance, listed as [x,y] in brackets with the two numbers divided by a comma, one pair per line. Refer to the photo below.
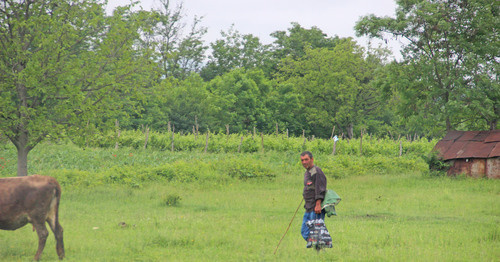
[448,124]
[22,162]
[350,131]
[493,125]
[23,149]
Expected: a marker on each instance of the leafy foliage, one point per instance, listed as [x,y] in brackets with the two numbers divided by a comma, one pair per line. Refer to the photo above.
[437,167]
[66,68]
[333,87]
[449,64]
[236,51]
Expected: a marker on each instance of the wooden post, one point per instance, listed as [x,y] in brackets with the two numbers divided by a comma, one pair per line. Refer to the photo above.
[118,131]
[169,127]
[277,129]
[400,148]
[173,132]
[287,133]
[147,137]
[254,133]
[303,133]
[334,147]
[227,130]
[361,143]
[333,131]
[206,141]
[239,146]
[262,141]
[196,125]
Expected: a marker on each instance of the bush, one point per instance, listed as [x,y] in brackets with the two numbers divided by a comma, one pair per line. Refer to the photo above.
[437,167]
[171,200]
[245,168]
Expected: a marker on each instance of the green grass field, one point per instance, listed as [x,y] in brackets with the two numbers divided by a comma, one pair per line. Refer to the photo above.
[387,216]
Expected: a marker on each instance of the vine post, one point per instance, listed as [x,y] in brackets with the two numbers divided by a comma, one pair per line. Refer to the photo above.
[206,141]
[147,137]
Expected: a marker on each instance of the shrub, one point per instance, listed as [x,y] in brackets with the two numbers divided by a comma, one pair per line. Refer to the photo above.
[437,167]
[171,200]
[245,168]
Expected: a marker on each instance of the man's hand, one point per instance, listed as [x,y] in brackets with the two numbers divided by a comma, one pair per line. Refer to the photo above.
[317,208]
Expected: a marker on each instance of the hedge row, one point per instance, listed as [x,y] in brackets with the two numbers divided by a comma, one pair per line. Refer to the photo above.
[247,143]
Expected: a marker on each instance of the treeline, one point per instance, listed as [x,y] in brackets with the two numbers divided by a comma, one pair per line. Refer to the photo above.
[70,69]
[306,81]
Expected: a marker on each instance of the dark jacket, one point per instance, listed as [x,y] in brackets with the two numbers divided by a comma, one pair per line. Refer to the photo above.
[314,187]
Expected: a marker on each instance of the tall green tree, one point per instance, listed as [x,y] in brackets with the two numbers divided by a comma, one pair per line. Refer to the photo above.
[284,104]
[240,100]
[333,86]
[177,53]
[188,102]
[234,51]
[450,62]
[297,39]
[65,68]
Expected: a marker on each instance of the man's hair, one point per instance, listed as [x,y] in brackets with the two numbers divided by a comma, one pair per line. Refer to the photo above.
[307,153]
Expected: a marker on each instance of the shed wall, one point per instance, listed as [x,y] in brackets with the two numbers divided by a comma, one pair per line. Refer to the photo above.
[493,168]
[474,167]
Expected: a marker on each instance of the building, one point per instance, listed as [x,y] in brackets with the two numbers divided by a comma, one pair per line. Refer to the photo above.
[474,153]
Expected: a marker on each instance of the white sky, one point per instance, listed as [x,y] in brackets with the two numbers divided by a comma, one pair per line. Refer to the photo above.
[262,17]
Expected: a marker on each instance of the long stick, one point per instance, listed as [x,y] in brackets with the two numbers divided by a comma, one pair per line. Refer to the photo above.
[288,226]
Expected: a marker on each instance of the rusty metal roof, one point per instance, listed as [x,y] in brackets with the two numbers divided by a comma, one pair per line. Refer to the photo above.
[469,144]
[493,137]
[496,151]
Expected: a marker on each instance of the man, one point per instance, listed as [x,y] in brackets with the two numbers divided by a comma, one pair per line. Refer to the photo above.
[314,191]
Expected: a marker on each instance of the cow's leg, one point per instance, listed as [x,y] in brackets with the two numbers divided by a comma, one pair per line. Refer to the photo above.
[58,233]
[42,232]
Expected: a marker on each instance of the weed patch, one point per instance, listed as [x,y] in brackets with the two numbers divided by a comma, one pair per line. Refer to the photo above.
[171,200]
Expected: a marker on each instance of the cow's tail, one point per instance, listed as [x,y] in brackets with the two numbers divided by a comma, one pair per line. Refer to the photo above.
[57,194]
[57,228]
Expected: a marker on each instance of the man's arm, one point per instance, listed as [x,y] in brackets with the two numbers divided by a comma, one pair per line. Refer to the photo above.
[320,190]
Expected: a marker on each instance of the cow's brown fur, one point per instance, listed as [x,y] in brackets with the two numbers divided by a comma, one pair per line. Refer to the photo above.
[32,199]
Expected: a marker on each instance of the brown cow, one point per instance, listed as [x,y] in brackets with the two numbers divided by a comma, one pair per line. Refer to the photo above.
[32,199]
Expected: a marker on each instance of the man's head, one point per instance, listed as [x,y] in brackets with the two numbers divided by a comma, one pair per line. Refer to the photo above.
[307,160]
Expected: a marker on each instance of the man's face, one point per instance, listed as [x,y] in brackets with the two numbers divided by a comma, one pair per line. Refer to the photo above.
[307,162]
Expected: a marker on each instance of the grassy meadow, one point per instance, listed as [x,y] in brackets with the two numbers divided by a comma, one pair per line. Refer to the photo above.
[151,205]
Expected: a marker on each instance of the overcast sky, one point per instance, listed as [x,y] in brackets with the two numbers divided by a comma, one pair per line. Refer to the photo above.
[262,17]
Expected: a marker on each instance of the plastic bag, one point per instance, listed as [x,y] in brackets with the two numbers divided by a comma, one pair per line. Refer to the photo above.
[319,237]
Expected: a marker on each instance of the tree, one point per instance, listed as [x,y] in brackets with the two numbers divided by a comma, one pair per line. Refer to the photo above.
[298,39]
[450,60]
[333,86]
[177,54]
[284,105]
[65,69]
[235,51]
[188,100]
[240,100]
